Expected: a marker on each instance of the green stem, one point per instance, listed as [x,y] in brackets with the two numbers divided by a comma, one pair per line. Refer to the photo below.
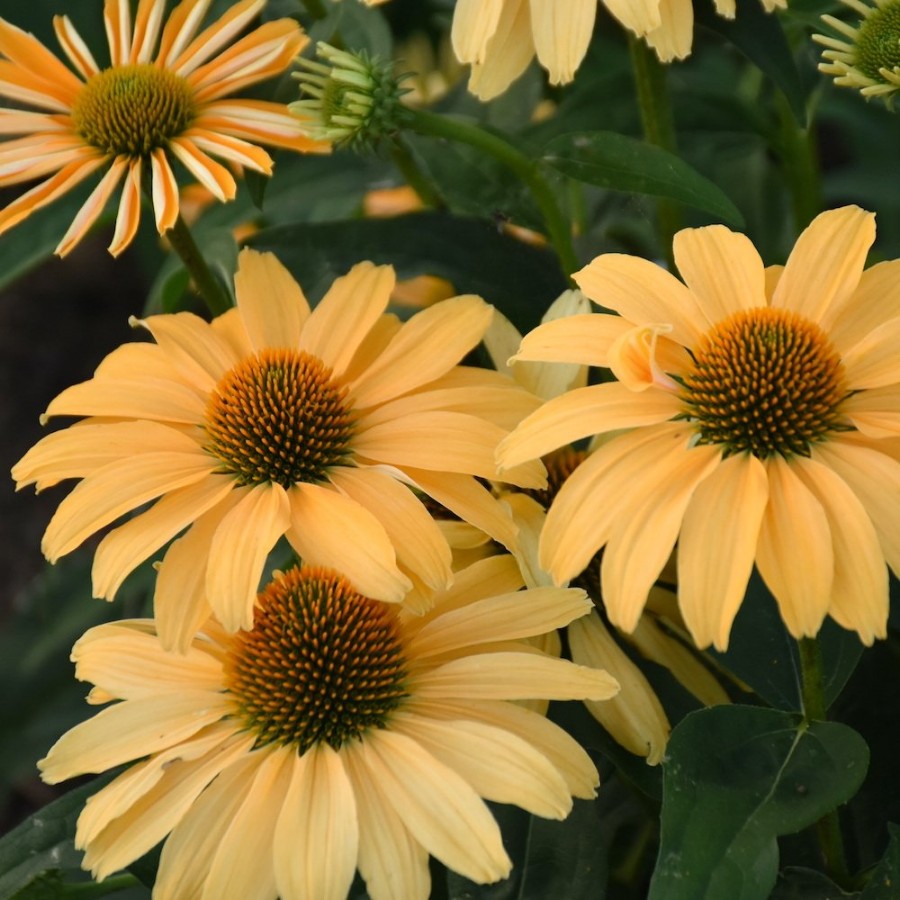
[658,125]
[207,285]
[796,147]
[109,886]
[558,229]
[828,828]
[415,177]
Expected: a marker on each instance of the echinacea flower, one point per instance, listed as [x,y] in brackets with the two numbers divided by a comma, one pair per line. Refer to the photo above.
[273,420]
[868,56]
[163,97]
[753,421]
[501,37]
[341,733]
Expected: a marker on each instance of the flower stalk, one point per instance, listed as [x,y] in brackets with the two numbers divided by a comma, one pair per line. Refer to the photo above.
[205,282]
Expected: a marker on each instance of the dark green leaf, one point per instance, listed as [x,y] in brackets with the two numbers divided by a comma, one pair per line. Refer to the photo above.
[760,37]
[43,843]
[796,883]
[622,163]
[885,881]
[520,280]
[734,779]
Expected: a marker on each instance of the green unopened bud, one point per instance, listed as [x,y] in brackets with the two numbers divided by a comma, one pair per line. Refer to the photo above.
[348,98]
[866,56]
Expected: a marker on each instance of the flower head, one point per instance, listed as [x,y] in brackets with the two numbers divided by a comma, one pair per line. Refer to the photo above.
[163,97]
[752,422]
[867,56]
[501,37]
[350,98]
[277,420]
[341,733]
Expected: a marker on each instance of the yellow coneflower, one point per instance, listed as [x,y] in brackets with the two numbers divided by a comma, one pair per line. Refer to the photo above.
[276,420]
[757,411]
[164,96]
[341,733]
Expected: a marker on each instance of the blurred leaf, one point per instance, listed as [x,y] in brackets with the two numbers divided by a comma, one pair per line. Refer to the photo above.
[519,279]
[354,27]
[735,778]
[760,37]
[622,163]
[45,841]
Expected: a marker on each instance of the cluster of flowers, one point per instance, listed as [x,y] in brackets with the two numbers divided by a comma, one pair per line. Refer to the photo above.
[353,714]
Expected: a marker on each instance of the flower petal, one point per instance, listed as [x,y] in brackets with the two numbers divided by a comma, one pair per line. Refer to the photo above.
[92,207]
[874,361]
[722,268]
[474,23]
[562,32]
[875,301]
[795,555]
[317,835]
[238,551]
[826,263]
[164,190]
[330,529]
[582,340]
[271,302]
[718,545]
[510,49]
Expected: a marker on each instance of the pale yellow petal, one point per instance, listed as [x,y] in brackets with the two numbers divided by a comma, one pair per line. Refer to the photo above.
[875,412]
[634,717]
[505,617]
[514,676]
[474,23]
[135,832]
[242,864]
[591,501]
[717,547]
[425,347]
[184,336]
[125,548]
[875,300]
[722,268]
[392,862]
[467,498]
[180,603]
[859,592]
[644,294]
[346,314]
[826,263]
[437,805]
[586,411]
[795,555]
[875,480]
[562,33]
[500,766]
[238,551]
[581,339]
[874,361]
[116,489]
[419,543]
[642,541]
[272,304]
[331,529]
[510,48]
[316,839]
[130,730]
[673,36]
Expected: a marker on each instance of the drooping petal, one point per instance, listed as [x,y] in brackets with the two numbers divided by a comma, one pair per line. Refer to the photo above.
[324,523]
[562,32]
[634,717]
[164,190]
[238,551]
[92,207]
[795,555]
[129,214]
[272,304]
[418,542]
[717,547]
[437,805]
[212,175]
[474,23]
[673,37]
[510,49]
[499,765]
[826,263]
[859,593]
[316,841]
